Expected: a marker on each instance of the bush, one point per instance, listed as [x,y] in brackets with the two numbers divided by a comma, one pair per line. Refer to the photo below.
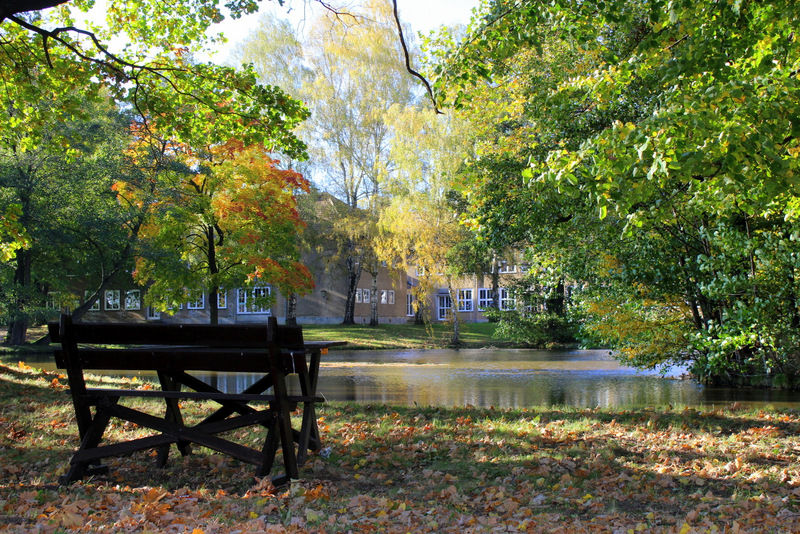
[539,330]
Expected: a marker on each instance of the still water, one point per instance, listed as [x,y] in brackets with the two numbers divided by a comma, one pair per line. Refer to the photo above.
[504,378]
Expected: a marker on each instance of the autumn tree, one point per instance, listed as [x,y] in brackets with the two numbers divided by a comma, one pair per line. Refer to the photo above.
[218,217]
[420,227]
[358,77]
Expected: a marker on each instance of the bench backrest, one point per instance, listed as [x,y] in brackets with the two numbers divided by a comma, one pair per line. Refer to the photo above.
[225,347]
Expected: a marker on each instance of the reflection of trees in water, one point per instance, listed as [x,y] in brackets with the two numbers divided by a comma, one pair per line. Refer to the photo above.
[440,386]
[541,390]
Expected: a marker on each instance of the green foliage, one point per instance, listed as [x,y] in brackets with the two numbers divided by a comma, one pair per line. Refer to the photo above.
[154,72]
[59,192]
[12,235]
[667,149]
[539,330]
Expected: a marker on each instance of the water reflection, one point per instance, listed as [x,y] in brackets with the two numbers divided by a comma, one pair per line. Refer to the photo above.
[502,378]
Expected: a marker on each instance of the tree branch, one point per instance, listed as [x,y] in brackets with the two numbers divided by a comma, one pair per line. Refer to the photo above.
[408,59]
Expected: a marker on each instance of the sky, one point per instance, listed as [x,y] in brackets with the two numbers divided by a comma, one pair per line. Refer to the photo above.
[422,15]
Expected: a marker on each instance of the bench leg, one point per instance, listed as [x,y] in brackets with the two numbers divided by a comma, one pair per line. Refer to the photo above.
[91,439]
[173,415]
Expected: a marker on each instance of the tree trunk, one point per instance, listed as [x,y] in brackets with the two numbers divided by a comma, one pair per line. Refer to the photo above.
[13,7]
[353,277]
[555,304]
[19,322]
[373,319]
[456,339]
[291,309]
[213,304]
[495,284]
[213,270]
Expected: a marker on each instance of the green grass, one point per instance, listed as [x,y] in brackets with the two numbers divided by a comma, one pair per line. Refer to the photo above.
[395,336]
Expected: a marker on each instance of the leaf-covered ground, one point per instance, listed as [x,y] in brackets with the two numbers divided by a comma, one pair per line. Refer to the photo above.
[392,469]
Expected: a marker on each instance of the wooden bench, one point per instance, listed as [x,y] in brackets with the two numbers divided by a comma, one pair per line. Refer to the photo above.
[175,351]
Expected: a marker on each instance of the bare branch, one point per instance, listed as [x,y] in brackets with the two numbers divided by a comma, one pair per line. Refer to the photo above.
[408,59]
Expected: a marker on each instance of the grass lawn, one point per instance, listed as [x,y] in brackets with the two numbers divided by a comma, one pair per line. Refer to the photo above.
[396,336]
[419,469]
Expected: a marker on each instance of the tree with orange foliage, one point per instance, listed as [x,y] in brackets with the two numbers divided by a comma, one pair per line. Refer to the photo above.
[219,217]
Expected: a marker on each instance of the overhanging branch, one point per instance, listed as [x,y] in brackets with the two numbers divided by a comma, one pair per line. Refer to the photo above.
[408,59]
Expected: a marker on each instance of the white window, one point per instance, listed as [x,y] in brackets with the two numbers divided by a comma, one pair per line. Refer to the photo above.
[445,306]
[506,300]
[391,296]
[507,268]
[465,300]
[95,306]
[222,300]
[359,300]
[246,300]
[410,305]
[152,313]
[197,300]
[485,298]
[365,296]
[420,271]
[113,299]
[133,299]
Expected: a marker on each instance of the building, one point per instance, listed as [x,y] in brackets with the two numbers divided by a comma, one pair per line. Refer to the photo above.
[325,305]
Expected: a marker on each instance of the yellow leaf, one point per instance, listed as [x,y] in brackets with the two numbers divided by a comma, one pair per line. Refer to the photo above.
[685,529]
[313,515]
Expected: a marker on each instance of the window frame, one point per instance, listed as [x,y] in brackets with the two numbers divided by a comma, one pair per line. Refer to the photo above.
[443,310]
[138,303]
[506,301]
[242,297]
[507,268]
[196,304]
[485,298]
[410,312]
[114,306]
[465,303]
[95,306]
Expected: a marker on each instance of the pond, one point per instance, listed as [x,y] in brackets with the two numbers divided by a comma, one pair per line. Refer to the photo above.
[503,378]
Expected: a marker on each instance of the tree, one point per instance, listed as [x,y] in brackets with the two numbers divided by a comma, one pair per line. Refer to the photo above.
[694,160]
[351,74]
[56,172]
[420,227]
[218,217]
[53,71]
